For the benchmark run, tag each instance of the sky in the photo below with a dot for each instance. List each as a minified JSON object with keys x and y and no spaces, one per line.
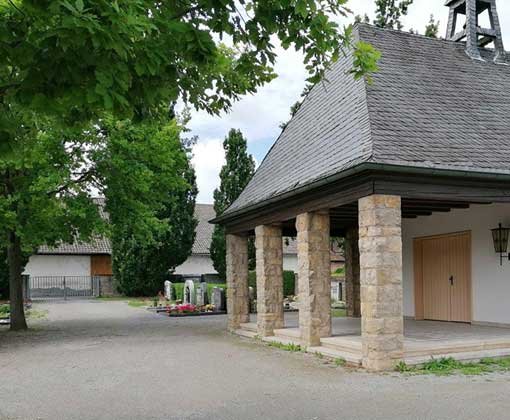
{"x":259,"y":115}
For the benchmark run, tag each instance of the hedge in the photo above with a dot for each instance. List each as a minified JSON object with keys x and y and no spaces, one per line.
{"x":289,"y":282}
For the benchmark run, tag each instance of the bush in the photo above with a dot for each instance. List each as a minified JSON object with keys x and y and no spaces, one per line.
{"x":289,"y":282}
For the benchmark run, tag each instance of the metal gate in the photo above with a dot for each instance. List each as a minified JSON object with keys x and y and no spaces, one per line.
{"x":62,"y":287}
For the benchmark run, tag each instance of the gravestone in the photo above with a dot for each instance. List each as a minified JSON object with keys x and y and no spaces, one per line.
{"x":218,"y":299}
{"x":202,"y":294}
{"x":169,"y":295}
{"x":189,"y":293}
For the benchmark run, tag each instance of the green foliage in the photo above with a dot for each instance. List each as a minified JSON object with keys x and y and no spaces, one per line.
{"x":150,"y":193}
{"x":338,"y":313}
{"x":127,"y":56}
{"x":4,"y":311}
{"x":450,"y":366}
{"x":289,"y":282}
{"x":366,"y":55}
{"x":234,"y":176}
{"x":340,"y":362}
{"x":287,"y":347}
{"x":389,"y":13}
{"x":432,"y":28}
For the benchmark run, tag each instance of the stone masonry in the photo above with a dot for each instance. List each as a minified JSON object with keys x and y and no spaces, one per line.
{"x":237,"y":281}
{"x":352,"y":286}
{"x":314,"y":268}
{"x":269,"y":246}
{"x":380,"y":245}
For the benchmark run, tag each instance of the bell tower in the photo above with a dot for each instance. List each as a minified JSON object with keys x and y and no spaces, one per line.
{"x":475,"y":36}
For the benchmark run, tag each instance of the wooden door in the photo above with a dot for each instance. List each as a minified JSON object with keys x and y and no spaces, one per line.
{"x":442,"y":280}
{"x":460,"y":272}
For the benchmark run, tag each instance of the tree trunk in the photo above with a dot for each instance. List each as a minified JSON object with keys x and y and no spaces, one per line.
{"x":14,"y":259}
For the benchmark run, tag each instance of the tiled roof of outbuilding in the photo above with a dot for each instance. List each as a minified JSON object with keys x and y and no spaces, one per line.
{"x":203,"y":213}
{"x":430,"y":106}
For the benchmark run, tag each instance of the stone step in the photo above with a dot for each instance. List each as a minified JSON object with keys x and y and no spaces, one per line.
{"x":288,"y":333}
{"x":280,"y":340}
{"x":341,"y":344}
{"x":249,"y":326}
{"x":246,"y":333}
{"x":351,"y":359}
{"x":468,"y":356}
{"x":417,"y":349}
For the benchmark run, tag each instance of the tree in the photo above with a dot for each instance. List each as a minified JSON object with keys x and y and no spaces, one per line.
{"x":389,"y":13}
{"x":235,"y":174}
{"x":295,"y":108}
{"x":66,"y":65}
{"x":148,"y":163}
{"x":432,"y":28}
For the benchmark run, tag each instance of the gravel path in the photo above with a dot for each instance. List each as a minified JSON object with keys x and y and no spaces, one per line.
{"x":106,"y":360}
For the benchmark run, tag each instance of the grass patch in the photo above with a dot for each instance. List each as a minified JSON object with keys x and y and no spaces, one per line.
{"x":339,"y":362}
{"x":450,"y":366}
{"x":287,"y":347}
{"x":338,"y":313}
{"x":139,"y":303}
{"x":36,"y":314}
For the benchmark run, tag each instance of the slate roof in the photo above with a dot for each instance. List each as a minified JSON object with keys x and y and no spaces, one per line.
{"x":204,"y":231}
{"x":430,"y":106}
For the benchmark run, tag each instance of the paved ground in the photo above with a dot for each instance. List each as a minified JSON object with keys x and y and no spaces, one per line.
{"x":105,"y":360}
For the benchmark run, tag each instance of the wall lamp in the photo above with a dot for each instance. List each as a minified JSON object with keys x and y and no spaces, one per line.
{"x":500,"y":238}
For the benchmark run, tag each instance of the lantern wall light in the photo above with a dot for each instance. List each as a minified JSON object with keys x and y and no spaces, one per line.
{"x":500,"y":239}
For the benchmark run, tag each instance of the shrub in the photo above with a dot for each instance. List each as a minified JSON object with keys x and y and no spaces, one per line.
{"x":289,"y":282}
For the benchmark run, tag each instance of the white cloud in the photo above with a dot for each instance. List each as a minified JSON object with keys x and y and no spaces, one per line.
{"x":258,"y":116}
{"x":208,"y":158}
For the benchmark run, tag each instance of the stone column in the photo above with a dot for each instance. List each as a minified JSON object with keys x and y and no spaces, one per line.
{"x":380,"y":245}
{"x":352,"y":286}
{"x":238,"y":302}
{"x":269,"y":246}
{"x":314,"y":263}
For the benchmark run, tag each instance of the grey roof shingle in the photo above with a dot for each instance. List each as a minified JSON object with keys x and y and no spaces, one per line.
{"x":204,"y":231}
{"x":429,"y":106}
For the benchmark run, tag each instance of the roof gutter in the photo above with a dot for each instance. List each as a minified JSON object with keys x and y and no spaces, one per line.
{"x":364,"y":167}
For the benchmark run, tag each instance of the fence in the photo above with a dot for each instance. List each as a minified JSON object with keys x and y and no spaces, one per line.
{"x":68,"y":287}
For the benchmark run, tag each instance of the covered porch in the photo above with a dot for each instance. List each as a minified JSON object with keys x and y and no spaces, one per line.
{"x":423,"y":340}
{"x":375,"y":335}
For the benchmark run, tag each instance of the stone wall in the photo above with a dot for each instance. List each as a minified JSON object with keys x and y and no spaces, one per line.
{"x":380,"y":245}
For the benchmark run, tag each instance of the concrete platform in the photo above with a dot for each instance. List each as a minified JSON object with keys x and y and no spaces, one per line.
{"x":423,"y":340}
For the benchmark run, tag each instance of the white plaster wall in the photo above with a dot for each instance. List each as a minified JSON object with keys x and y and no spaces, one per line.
{"x":58,"y":265}
{"x":290,"y":263}
{"x":196,"y":264}
{"x":490,"y":281}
